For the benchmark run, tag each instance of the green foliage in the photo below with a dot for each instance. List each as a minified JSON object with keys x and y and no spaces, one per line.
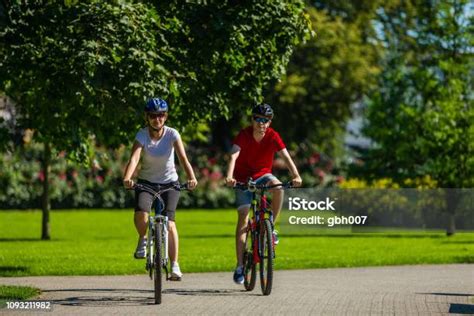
{"x":72,"y":184}
{"x":324,"y":78}
{"x":85,"y":68}
{"x":99,"y":185}
{"x":229,"y":51}
{"x":81,"y":70}
{"x":422,"y":116}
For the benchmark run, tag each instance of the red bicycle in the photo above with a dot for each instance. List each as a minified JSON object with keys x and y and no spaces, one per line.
{"x":259,"y":243}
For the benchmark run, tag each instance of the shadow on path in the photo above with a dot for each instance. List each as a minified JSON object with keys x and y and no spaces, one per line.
{"x":206,"y":292}
{"x":448,"y":294}
{"x":130,"y":297}
{"x":461,"y":309}
{"x":117,"y":297}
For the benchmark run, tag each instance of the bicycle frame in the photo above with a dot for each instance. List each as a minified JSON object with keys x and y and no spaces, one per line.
{"x":261,"y":249}
{"x":259,"y":210}
{"x":152,"y":222}
{"x":158,"y":224}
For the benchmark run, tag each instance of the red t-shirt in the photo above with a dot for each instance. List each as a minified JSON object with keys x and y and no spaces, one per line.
{"x":256,"y":159}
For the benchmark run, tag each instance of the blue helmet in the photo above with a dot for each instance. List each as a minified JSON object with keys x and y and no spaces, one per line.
{"x":155,"y":105}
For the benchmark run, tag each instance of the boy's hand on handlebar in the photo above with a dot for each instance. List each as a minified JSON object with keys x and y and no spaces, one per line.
{"x":230,"y":182}
{"x":128,"y":183}
{"x":192,"y":184}
{"x":296,"y":181}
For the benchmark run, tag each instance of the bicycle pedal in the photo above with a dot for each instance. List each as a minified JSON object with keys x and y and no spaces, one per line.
{"x":174,"y":278}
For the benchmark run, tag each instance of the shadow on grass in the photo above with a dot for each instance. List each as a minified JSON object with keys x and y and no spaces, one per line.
{"x":8,"y":271}
{"x":464,"y":259}
{"x":19,"y":239}
{"x":460,"y":242}
{"x":364,"y":235}
{"x":27,"y":239}
{"x":334,"y":235}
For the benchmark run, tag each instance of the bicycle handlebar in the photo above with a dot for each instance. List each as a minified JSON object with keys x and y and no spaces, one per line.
{"x":160,"y":189}
{"x":252,"y":186}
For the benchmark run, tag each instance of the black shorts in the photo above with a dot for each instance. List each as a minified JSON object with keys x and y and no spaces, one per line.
{"x":144,"y":200}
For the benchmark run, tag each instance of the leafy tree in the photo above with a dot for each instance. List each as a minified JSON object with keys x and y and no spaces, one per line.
{"x":324,"y":78}
{"x":82,"y":70}
{"x":231,"y":51}
{"x":422,"y":116}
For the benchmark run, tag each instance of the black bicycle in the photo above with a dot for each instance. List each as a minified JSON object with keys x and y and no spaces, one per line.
{"x":259,"y":244}
{"x":157,"y":235}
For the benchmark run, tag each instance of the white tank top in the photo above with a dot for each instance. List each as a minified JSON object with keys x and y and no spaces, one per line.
{"x":157,"y":157}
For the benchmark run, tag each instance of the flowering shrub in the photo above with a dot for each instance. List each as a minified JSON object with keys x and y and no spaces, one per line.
{"x":100,"y":185}
{"x":71,"y":185}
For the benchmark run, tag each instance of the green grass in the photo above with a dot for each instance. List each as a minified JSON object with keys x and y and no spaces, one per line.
{"x":15,"y":293}
{"x":102,"y":242}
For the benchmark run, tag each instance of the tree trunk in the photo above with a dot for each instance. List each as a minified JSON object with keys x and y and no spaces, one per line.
{"x":46,"y":165}
{"x":451,"y":225}
{"x":451,"y":204}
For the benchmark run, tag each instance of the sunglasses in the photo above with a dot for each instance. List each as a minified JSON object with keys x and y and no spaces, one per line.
{"x":155,"y":115}
{"x":259,"y":119}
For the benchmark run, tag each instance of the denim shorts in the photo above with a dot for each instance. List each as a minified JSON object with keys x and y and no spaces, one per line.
{"x":244,"y":198}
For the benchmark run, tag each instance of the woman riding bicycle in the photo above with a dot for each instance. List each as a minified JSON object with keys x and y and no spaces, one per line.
{"x":154,"y":147}
{"x":252,"y":156}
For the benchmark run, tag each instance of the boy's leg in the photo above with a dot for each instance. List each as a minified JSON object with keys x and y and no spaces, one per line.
{"x":240,"y":232}
{"x":277,"y":199}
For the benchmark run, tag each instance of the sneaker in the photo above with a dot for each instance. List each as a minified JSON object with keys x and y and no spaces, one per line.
{"x":140,"y":252}
{"x":239,"y":275}
{"x":176,"y":274}
{"x":275,"y":237}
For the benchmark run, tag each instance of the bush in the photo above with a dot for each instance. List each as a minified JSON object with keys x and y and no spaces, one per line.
{"x":99,"y":185}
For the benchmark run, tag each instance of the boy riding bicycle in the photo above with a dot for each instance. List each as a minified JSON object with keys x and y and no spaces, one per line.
{"x":252,"y":157}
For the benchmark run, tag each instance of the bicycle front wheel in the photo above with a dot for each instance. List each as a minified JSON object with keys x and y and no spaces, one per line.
{"x":158,"y":272}
{"x":266,"y":257}
{"x":250,"y":271}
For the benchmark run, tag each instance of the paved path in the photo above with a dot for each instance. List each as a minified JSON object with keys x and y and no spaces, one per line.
{"x":401,"y":290}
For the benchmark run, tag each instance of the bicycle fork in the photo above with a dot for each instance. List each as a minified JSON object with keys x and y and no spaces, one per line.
{"x":149,"y":245}
{"x":165,"y":248}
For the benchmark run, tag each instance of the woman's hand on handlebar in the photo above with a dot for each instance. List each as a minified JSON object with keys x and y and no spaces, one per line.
{"x":128,"y":183}
{"x":192,"y":183}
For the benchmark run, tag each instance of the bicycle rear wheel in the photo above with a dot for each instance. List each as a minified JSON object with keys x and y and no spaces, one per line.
{"x":266,"y":257}
{"x":250,"y":271}
{"x":158,"y":272}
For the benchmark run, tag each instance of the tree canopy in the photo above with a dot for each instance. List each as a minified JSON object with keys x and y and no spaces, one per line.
{"x":86,"y":68}
{"x":82,"y":70}
{"x":325,"y":77}
{"x":422,"y":115}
